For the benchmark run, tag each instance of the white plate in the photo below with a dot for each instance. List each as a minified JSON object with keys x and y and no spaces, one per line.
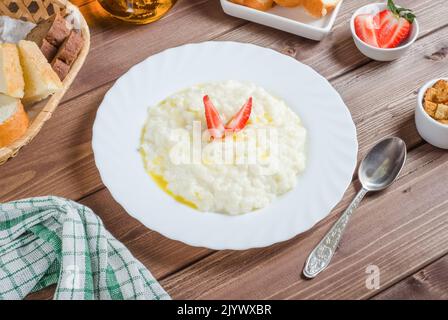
{"x":332,"y":145}
{"x":293,"y":20}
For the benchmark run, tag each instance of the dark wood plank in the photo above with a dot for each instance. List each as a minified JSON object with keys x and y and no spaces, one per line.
{"x":64,"y":166}
{"x":109,"y":57}
{"x":336,"y":54}
{"x":333,"y":56}
{"x":59,"y":160}
{"x":430,"y":283}
{"x":160,"y":255}
{"x":391,"y":230}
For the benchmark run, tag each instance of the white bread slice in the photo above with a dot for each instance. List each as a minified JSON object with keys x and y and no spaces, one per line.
{"x":256,"y":4}
{"x":11,"y":76}
{"x":40,"y":79}
{"x":13,"y":120}
{"x":319,"y":8}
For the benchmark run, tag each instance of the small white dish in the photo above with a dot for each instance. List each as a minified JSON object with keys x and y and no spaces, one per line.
{"x":293,"y":20}
{"x":381,"y":54}
{"x":429,"y":129}
{"x":331,"y":144}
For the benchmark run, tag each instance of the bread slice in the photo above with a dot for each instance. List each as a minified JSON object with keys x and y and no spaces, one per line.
{"x":13,"y":120}
{"x":11,"y":76}
{"x":40,"y":79}
{"x":48,"y":50}
{"x":319,"y":8}
{"x":69,"y":50}
{"x":61,"y":68}
{"x":262,"y":5}
{"x":288,"y":3}
{"x":55,"y":29}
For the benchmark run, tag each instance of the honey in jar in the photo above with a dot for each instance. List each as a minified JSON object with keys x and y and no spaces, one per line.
{"x":137,"y":11}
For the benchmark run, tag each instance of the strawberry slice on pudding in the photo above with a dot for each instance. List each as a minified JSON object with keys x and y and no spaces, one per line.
{"x":214,"y":123}
{"x":239,"y":120}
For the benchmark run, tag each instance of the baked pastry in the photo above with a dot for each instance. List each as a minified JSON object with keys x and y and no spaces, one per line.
{"x":288,"y":3}
{"x":11,"y":76}
{"x":256,"y":4}
{"x":40,"y":79}
{"x":13,"y":120}
{"x":316,"y":8}
{"x":319,"y":8}
{"x":55,"y":29}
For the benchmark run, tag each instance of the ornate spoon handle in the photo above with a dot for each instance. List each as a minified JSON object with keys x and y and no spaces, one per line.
{"x":321,"y":256}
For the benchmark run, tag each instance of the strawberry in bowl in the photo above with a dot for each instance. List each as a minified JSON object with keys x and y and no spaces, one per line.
{"x":383,"y":31}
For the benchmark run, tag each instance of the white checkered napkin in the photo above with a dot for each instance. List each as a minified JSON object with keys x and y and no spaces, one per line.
{"x":51,"y":240}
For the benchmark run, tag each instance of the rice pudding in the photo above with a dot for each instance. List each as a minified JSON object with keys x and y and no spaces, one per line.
{"x":241,"y":171}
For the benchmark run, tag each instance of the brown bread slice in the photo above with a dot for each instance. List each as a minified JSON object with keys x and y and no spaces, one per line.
{"x":71,"y":47}
{"x":61,"y":68}
{"x":54,"y":30}
{"x":48,"y":50}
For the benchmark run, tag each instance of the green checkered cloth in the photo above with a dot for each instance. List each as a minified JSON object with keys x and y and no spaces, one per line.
{"x":51,"y":240}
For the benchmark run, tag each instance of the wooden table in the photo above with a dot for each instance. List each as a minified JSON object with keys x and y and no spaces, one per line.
{"x":403,"y":231}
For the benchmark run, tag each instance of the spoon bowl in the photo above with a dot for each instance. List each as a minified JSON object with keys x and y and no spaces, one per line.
{"x":382,"y":164}
{"x":379,"y":168}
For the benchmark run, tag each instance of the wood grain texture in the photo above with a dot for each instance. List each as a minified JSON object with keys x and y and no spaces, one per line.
{"x":160,"y":255}
{"x":72,"y":172}
{"x":40,"y":113}
{"x":401,"y":230}
{"x":59,"y":161}
{"x":336,"y":54}
{"x":389,"y":230}
{"x":430,"y":283}
{"x":198,"y":20}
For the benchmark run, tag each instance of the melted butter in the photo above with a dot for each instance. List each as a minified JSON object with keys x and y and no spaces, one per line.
{"x":264,"y":118}
{"x":160,"y":180}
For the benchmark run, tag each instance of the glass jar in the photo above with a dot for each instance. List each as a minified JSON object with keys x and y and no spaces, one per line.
{"x":137,"y":11}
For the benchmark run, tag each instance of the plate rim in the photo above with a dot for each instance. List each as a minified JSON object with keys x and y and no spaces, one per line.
{"x":260,"y":244}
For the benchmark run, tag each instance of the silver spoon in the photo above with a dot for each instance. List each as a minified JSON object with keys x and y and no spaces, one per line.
{"x":377,"y":171}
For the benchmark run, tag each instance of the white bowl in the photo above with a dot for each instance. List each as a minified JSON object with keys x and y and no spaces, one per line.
{"x":293,"y":20}
{"x":381,"y":54}
{"x":431,"y":130}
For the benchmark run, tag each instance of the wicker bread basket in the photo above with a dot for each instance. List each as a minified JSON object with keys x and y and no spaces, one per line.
{"x":35,"y":11}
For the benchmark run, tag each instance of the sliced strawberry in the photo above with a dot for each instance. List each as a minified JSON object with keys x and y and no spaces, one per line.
{"x":214,"y":122}
{"x":366,"y":28}
{"x":395,"y":25}
{"x":393,"y":29}
{"x":239,"y":120}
